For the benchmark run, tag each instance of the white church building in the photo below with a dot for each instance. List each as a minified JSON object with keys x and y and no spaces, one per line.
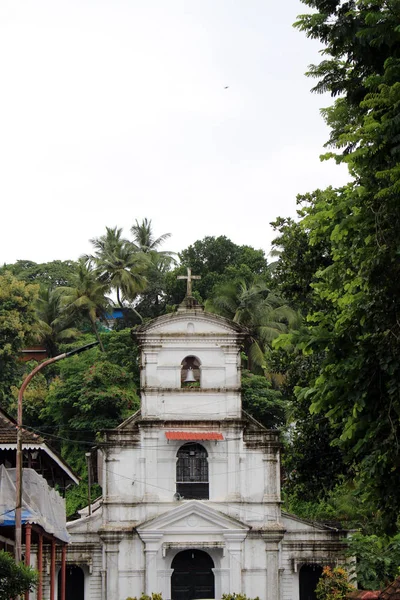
{"x":191,"y":503}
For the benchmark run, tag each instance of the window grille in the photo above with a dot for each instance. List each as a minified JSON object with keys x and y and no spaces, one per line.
{"x":192,"y":472}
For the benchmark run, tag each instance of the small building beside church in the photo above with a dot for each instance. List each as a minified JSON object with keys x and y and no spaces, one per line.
{"x":191,"y":503}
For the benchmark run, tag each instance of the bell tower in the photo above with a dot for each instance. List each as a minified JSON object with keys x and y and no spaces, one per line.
{"x":190,"y":365}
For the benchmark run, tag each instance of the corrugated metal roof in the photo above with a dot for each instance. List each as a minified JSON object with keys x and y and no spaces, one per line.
{"x":194,"y":435}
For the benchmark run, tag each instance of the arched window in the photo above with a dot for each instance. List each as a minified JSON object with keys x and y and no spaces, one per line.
{"x":190,"y":372}
{"x":192,"y":472}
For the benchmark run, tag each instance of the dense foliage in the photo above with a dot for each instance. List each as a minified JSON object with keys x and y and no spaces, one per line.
{"x":15,"y":579}
{"x":333,"y":584}
{"x":346,"y":279}
{"x":17,"y":317}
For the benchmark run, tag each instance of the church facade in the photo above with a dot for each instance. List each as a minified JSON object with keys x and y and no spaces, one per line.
{"x":191,"y":502}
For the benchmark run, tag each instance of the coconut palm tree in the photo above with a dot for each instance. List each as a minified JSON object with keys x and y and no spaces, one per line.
{"x":124,"y":271}
{"x":144,"y":240}
{"x":53,"y":325}
{"x":87,"y":297}
{"x":257,"y":309}
{"x":109,"y":242}
{"x":119,"y":264}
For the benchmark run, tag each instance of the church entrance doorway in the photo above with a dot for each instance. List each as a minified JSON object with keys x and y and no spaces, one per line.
{"x":193,"y":577}
{"x":74,"y":583}
{"x":309,"y":577}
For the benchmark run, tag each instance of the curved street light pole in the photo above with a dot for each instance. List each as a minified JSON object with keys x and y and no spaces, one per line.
{"x":18,"y":475}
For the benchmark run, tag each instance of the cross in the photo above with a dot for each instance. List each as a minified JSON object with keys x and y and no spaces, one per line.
{"x":189,"y":278}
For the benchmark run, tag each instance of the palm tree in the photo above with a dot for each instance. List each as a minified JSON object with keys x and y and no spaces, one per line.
{"x":256,"y":308}
{"x":144,"y":240}
{"x":109,"y":242}
{"x":124,"y":271}
{"x":53,"y":325}
{"x":120,"y":265}
{"x":87,"y":297}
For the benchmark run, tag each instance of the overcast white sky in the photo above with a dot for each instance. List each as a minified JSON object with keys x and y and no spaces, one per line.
{"x":115,"y":110}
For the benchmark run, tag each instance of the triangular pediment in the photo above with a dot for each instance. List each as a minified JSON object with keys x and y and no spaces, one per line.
{"x":192,"y":322}
{"x":193,"y":516}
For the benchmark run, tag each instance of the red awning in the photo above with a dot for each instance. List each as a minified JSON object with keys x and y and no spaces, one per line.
{"x":194,"y":435}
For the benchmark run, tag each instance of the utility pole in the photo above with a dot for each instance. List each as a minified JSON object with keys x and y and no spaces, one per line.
{"x":18,"y":475}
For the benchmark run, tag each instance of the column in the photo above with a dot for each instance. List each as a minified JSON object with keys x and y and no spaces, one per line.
{"x":272,"y":555}
{"x":28,"y":538}
{"x":63,"y":570}
{"x":40,"y":568}
{"x":52,"y":568}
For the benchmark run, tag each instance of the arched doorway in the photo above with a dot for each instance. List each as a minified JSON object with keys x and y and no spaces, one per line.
{"x":193,"y":576}
{"x":74,"y":583}
{"x":309,"y":577}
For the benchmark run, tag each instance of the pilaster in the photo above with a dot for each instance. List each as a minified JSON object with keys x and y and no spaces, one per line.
{"x":272,"y":491}
{"x":234,"y":542}
{"x":111,"y":541}
{"x":272,"y":563}
{"x":152,"y":546}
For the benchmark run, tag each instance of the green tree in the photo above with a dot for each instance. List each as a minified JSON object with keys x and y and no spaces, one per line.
{"x":378,"y":559}
{"x":217,"y":260}
{"x":15,"y":579}
{"x":50,"y":274}
{"x":263,"y":402}
{"x":54,"y":324}
{"x":152,"y":301}
{"x":17,"y":319}
{"x":256,"y":308}
{"x":145,"y":241}
{"x":299,"y":261}
{"x":90,"y":394}
{"x":356,"y":327}
{"x":120,"y":265}
{"x":86,"y":298}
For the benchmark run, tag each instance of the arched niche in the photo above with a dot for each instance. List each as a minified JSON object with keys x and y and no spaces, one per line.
{"x":192,"y":472}
{"x":191,"y":369}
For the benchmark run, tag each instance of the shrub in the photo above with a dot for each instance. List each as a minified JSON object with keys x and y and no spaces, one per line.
{"x":15,"y":579}
{"x":333,"y":584}
{"x":146,"y":597}
{"x":237,"y":597}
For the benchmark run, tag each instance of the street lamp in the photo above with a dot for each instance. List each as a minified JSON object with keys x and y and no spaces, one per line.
{"x":18,"y":476}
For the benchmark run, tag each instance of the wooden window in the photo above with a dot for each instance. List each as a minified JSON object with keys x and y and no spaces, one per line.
{"x":192,"y":472}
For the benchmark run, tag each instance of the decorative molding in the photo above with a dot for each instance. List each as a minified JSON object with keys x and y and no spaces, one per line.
{"x":190,"y":544}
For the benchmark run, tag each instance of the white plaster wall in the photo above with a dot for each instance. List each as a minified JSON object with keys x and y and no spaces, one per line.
{"x":162,"y":365}
{"x":147,"y":474}
{"x":193,"y":404}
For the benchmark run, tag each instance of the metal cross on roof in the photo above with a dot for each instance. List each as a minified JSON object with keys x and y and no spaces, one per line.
{"x":189,"y":278}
